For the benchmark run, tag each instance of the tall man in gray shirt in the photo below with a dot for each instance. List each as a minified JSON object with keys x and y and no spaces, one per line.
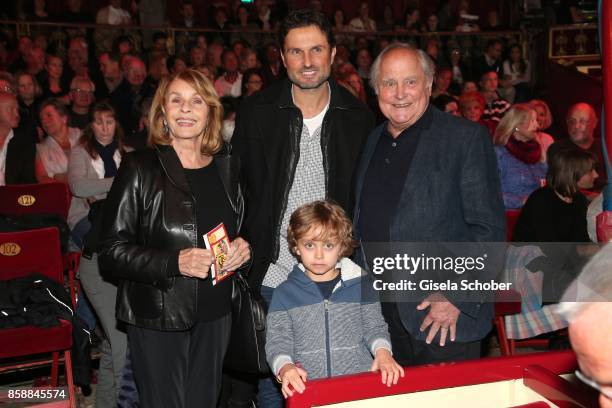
{"x":299,"y":141}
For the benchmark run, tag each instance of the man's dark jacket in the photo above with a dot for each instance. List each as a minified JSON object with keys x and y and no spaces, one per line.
{"x":451,"y":194}
{"x":149,"y":216}
{"x":267,"y":139}
{"x":20,"y":157}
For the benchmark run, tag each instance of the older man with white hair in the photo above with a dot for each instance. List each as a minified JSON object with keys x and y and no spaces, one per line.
{"x":587,"y":305}
{"x":427,"y":177}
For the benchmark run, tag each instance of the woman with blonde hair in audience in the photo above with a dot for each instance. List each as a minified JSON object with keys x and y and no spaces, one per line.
{"x":472,"y":106}
{"x":544,"y":122}
{"x":162,"y":203}
{"x":53,"y":152}
{"x":519,"y":155}
{"x":92,"y":169}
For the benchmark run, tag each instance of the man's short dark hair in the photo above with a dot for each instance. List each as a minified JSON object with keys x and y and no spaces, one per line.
{"x":304,"y":18}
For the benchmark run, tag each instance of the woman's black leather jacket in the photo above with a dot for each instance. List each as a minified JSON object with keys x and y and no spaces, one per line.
{"x":149,"y":216}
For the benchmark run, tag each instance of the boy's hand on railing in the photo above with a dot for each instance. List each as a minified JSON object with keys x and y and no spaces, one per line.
{"x":389,"y":369}
{"x":294,"y":376}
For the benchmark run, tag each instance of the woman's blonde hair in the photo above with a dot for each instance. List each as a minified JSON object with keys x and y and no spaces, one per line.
{"x":515,"y":116}
{"x":212,"y":141}
{"x":534,"y":103}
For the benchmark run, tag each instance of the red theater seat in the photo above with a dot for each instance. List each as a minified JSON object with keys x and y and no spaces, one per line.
{"x":21,"y":254}
{"x":21,"y":199}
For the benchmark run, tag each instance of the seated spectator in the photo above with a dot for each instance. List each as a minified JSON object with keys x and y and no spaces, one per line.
{"x":363,"y":22}
{"x":52,"y":82}
{"x":112,"y":76}
{"x":339,"y":26}
{"x":442,"y":81}
{"x":432,"y":48}
{"x":446,"y":103}
{"x":581,"y":121}
{"x":220,"y":23}
{"x":493,"y":23}
{"x":158,"y":69}
{"x":363,"y":63}
{"x":82,"y":91}
{"x":518,"y":155}
{"x":431,"y":25}
{"x":471,"y":105}
{"x":252,"y":81}
{"x":17,"y":150}
{"x":490,"y":60}
{"x":176,"y":64}
{"x":459,"y":70}
{"x":517,"y":71}
{"x":93,"y":165}
{"x":29,"y":98}
{"x":213,"y":55}
{"x":411,"y":23}
{"x":113,"y":14}
{"x":197,"y":56}
{"x":209,"y":72}
{"x":8,"y":83}
{"x":23,"y":49}
{"x":266,"y":18}
{"x":469,"y":86}
{"x":354,"y":84}
{"x":272,"y":67}
{"x":53,"y":152}
{"x":495,"y":106}
{"x":35,"y":61}
{"x":38,"y":11}
{"x":76,"y":13}
{"x":248,"y":59}
{"x":160,"y":43}
{"x":230,"y":83}
{"x":557,"y":212}
{"x":124,"y":44}
{"x":544,"y":122}
{"x":554,"y":213}
{"x":243,"y":25}
{"x":129,"y":96}
{"x":388,"y":21}
{"x":78,"y":58}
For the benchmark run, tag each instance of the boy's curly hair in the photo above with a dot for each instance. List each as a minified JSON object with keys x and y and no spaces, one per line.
{"x":327,"y":216}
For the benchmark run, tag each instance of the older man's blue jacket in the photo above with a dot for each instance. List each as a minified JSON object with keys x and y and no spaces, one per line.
{"x":451,"y":194}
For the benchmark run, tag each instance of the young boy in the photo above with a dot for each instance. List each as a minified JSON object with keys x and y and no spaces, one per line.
{"x":319,"y":324}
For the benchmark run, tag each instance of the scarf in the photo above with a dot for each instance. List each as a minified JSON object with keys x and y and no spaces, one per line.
{"x":528,"y":152}
{"x":106,"y":154}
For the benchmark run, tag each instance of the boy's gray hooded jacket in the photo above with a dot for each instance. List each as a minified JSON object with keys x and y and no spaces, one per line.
{"x":327,"y":337}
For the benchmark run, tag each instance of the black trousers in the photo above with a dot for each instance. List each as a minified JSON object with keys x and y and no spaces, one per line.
{"x":408,"y":351}
{"x":180,"y":369}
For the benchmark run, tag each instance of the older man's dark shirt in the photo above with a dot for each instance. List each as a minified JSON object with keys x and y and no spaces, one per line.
{"x":385,"y":179}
